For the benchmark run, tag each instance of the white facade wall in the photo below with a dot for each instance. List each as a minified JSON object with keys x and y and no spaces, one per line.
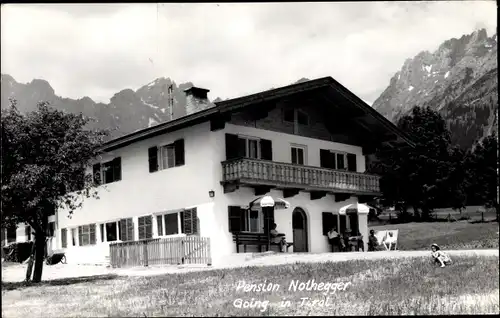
{"x":142,"y":193}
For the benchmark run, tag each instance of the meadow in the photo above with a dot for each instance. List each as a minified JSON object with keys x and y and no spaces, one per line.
{"x":403,"y":286}
{"x":448,"y":235}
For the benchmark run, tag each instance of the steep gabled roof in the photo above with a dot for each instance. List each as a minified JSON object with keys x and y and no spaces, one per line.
{"x":235,"y":104}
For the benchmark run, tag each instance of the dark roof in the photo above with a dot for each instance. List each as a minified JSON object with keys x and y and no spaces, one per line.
{"x":254,"y":99}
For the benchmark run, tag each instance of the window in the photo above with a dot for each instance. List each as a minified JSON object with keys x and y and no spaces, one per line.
{"x":108,"y":172}
{"x":168,"y":224}
{"x":145,"y":227}
{"x":11,"y":234}
{"x":190,"y":222}
{"x":167,"y":156}
{"x":295,"y":116}
{"x":126,"y":230}
{"x":248,"y":147}
{"x":289,"y":115}
{"x":73,"y":237}
{"x":64,"y":238}
{"x":298,"y":155}
{"x":243,"y":220}
{"x":302,"y":118}
{"x":337,"y":160}
{"x":50,"y":229}
{"x":109,"y":231}
{"x":27,"y":232}
{"x":86,"y":235}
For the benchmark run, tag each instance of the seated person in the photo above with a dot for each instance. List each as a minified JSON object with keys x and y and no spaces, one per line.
{"x":439,"y":256}
{"x":390,"y":240}
{"x":334,"y":238}
{"x":278,"y":238}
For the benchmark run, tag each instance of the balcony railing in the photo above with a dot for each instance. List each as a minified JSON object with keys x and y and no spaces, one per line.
{"x":286,"y":175}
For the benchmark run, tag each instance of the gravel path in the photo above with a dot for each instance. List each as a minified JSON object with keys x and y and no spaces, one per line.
{"x":16,"y":272}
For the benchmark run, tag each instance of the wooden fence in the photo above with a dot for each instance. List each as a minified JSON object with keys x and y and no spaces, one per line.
{"x":161,"y":251}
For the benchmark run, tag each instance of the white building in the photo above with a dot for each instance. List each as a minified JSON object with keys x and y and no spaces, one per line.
{"x":194,"y":175}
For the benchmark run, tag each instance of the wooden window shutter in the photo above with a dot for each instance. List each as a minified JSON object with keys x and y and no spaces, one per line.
{"x":80,"y":236}
{"x":231,"y":146}
{"x":179,"y":152}
{"x":190,"y":222}
{"x":96,"y":172}
{"x":351,"y":162}
{"x":149,"y":226}
{"x":324,"y":158}
{"x":266,"y":149}
{"x":92,"y":234}
{"x":117,"y":169}
{"x":328,"y":222}
{"x":153,"y":159}
{"x":235,"y":218}
{"x":64,"y":238}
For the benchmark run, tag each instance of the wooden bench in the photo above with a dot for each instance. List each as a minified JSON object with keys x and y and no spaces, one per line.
{"x":258,"y":239}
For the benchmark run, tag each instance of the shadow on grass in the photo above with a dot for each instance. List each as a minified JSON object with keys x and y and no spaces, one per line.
{"x":58,"y":282}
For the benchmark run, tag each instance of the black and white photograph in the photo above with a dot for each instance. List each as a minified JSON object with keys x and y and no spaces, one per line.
{"x":249,"y":159}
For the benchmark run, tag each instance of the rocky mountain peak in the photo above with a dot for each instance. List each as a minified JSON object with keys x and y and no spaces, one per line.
{"x":440,"y":77}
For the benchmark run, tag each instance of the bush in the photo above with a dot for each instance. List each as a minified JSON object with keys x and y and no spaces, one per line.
{"x":17,"y":252}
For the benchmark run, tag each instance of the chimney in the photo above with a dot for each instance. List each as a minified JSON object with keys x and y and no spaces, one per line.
{"x":196,"y":100}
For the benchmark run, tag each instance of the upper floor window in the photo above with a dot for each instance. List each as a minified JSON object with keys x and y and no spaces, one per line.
{"x":338,"y":160}
{"x":298,"y":154}
{"x":108,"y":172}
{"x":167,"y":156}
{"x":248,"y":147}
{"x":292,"y":115}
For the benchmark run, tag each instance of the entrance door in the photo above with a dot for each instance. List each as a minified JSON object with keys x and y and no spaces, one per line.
{"x":299,"y":225}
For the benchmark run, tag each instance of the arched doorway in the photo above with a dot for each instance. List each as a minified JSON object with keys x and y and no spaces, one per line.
{"x":299,"y":225}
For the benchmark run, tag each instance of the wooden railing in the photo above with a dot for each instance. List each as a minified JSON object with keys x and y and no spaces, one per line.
{"x":277,"y":173}
{"x":161,"y":251}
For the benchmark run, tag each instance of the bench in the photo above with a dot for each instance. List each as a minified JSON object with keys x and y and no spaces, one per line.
{"x":258,"y":239}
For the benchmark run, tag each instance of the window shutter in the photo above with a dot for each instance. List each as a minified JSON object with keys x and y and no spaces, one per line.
{"x":351,"y":162}
{"x":159,"y":223}
{"x":126,"y":228}
{"x":80,"y":236}
{"x":231,"y":146}
{"x":328,"y":222}
{"x":92,"y":234}
{"x":324,"y":158}
{"x":149,"y":226}
{"x":97,"y":173}
{"x":153,"y":159}
{"x":235,"y":218}
{"x":190,"y":222}
{"x":179,"y":152}
{"x":64,"y":239}
{"x":130,"y":229}
{"x":242,"y":148}
{"x":117,"y":169}
{"x":266,"y":149}
{"x":142,"y":228}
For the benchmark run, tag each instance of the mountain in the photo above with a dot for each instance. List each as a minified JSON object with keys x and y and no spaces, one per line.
{"x":459,"y":80}
{"x":127,"y":111}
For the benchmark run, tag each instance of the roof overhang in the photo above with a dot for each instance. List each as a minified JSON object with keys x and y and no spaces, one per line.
{"x":368,"y":122}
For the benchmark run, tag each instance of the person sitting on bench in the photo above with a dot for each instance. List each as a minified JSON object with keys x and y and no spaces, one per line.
{"x":334,"y":239}
{"x":278,"y":238}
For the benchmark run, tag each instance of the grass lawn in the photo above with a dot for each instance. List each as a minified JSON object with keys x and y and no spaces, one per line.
{"x":448,"y":235}
{"x":375,"y":287}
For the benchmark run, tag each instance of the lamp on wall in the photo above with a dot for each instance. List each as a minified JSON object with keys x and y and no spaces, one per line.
{"x":211,"y":193}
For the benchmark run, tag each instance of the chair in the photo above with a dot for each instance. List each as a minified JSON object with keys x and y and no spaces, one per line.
{"x":391,"y":239}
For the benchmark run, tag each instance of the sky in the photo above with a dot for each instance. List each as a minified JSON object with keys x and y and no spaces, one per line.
{"x":233,"y":49}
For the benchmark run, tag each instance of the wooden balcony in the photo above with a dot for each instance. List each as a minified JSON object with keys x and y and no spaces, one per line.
{"x":254,"y":172}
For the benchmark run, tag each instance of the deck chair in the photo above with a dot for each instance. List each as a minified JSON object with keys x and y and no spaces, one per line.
{"x":391,"y":239}
{"x":380,"y":235}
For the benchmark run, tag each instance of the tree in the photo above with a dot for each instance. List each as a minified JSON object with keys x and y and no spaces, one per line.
{"x":417,"y":176}
{"x":45,"y":154}
{"x":457,"y":179}
{"x":482,"y":165}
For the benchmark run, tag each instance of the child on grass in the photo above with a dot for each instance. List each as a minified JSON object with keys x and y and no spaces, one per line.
{"x":440,"y":256}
